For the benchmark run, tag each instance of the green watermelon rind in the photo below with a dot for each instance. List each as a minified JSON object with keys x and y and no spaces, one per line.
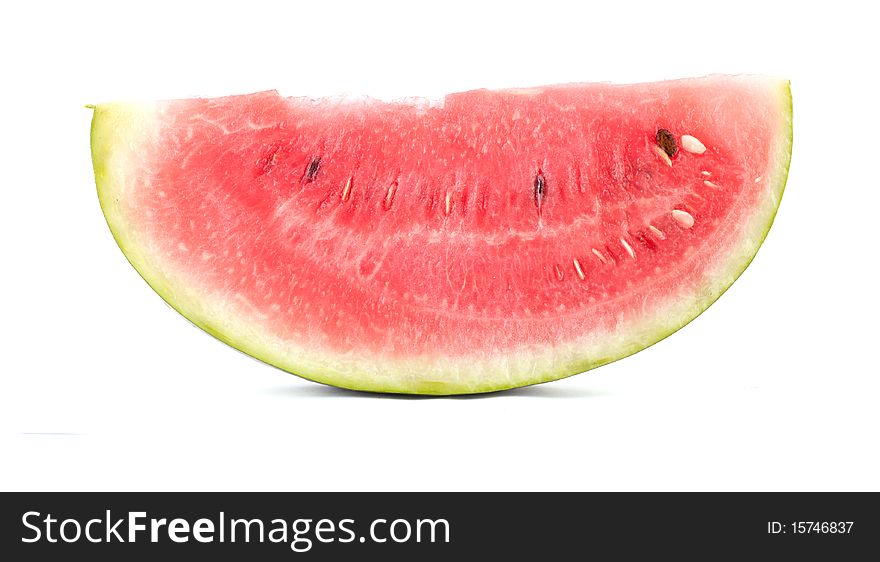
{"x":119,"y":129}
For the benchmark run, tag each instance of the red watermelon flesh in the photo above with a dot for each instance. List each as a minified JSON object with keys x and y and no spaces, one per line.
{"x":491,"y":240}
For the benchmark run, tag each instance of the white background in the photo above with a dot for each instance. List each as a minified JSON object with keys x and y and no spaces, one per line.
{"x":104,"y":387}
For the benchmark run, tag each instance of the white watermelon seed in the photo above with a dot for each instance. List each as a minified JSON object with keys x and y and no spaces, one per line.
{"x":560,"y":275}
{"x":448,"y":202}
{"x":758,"y":179}
{"x":663,"y":156}
{"x":346,"y":191}
{"x":389,"y":197}
{"x":600,"y":255}
{"x":705,"y":173}
{"x":657,"y":231}
{"x":707,"y":183}
{"x":683,"y":218}
{"x":628,"y":248}
{"x":577,"y":267}
{"x":692,"y":144}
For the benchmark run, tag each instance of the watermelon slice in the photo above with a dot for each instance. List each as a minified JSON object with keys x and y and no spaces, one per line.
{"x":490,"y":240}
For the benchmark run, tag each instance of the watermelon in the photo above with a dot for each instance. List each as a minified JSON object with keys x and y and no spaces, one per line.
{"x":488,"y":240}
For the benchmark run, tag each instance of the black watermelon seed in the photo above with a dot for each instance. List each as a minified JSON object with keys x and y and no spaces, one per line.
{"x":540,"y":189}
{"x":666,"y":141}
{"x":312,"y":169}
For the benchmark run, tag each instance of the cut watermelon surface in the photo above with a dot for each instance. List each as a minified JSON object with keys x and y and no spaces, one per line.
{"x":490,"y":240}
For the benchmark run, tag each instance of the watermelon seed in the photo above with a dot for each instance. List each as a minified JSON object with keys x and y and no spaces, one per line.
{"x":707,"y":183}
{"x":705,"y":173}
{"x":612,"y":254}
{"x":628,"y":248}
{"x":577,"y":267}
{"x":662,"y":154}
{"x":448,"y":202}
{"x":578,"y":179}
{"x":692,"y":144}
{"x":346,"y":191}
{"x":758,"y":179}
{"x":312,"y":169}
{"x":666,"y":141}
{"x":600,"y":255}
{"x":657,"y":231}
{"x":683,"y":218}
{"x":646,"y":242}
{"x":560,"y":275}
{"x":540,"y":189}
{"x":389,"y":197}
{"x":270,"y":163}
